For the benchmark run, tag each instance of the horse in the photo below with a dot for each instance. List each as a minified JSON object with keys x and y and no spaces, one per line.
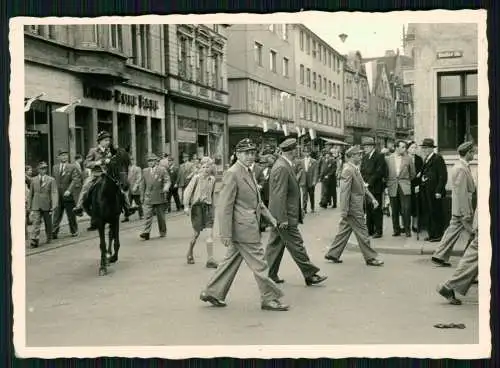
{"x":105,"y":203}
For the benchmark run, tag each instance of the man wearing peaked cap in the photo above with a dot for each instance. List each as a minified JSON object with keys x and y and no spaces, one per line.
{"x":288,"y":145}
{"x":239,"y":211}
{"x":462,"y":189}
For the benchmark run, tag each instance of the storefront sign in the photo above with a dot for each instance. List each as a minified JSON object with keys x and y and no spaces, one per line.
{"x":119,"y":97}
{"x":449,"y":54}
{"x":186,"y":136}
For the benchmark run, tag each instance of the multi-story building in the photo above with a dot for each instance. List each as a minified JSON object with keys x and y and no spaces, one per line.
{"x":356,"y":99}
{"x":261,"y":78}
{"x":197,"y":99}
{"x":319,"y":87}
{"x":116,"y":73}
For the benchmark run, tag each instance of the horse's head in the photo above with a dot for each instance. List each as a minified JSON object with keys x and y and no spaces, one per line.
{"x":117,"y":168}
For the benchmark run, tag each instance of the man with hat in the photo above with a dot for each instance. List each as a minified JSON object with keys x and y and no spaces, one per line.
{"x":374,"y":172}
{"x":96,"y":158}
{"x":42,"y":202}
{"x":69,"y":183}
{"x":310,"y":178}
{"x":156,"y":186}
{"x":434,"y":177}
{"x":238,"y":210}
{"x":353,"y":193}
{"x":285,"y":206}
{"x":462,"y":189}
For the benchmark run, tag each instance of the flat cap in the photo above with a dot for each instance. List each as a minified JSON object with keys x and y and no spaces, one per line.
{"x":42,"y":165}
{"x":367,"y":141}
{"x":61,"y":151}
{"x":103,"y":135}
{"x":353,"y":151}
{"x":152,"y":157}
{"x":288,"y":144}
{"x":245,"y":145}
{"x":465,"y":147}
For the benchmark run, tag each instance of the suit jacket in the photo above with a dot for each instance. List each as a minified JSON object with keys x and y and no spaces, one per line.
{"x":352,"y":192}
{"x":462,"y":188}
{"x":284,"y":193}
{"x":96,"y":154}
{"x":173,"y":171}
{"x":185,"y":170}
{"x":263,"y":181}
{"x":135,"y":180}
{"x":239,"y":207}
{"x":69,"y":180}
{"x":154,"y":184}
{"x":435,"y":174}
{"x":311,"y":174}
{"x":416,"y":181}
{"x":328,"y":170}
{"x":374,"y":172}
{"x":401,"y":179}
{"x":43,"y":196}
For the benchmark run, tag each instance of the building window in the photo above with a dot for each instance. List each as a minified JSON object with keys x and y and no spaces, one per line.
{"x":314,"y":80}
{"x":320,"y":111}
{"x":184,"y":57}
{"x":320,"y":47}
{"x":284,"y":30}
{"x":319,"y":83}
{"x":457,"y":109}
{"x":52,"y":32}
{"x":308,"y":77}
{"x":201,"y":67}
{"x":308,"y":44}
{"x":324,"y":85}
{"x":301,"y":40}
{"x":334,"y":91}
{"x":115,"y":37}
{"x":301,"y":74}
{"x":141,"y":45}
{"x":272,"y":61}
{"x":324,"y":56}
{"x":338,"y":65}
{"x":302,"y":108}
{"x":285,"y":68}
{"x":257,"y":47}
{"x":216,"y":28}
{"x":310,"y":108}
{"x":330,"y":88}
{"x":217,"y":81}
{"x":314,"y":49}
{"x":334,"y":62}
{"x":338,"y":92}
{"x":329,"y":59}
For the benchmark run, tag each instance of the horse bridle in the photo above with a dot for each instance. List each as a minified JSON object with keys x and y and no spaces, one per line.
{"x":104,"y":172}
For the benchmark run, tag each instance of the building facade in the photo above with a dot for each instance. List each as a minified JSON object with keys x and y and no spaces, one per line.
{"x":261,"y":78}
{"x":356,"y":99}
{"x":197,"y":102}
{"x":319,"y":87}
{"x":114,"y":70}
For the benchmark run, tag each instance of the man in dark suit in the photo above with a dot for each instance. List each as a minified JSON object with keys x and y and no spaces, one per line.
{"x":310,"y":178}
{"x":284,"y":205}
{"x":69,"y":183}
{"x":434,"y":178}
{"x":173,"y":171}
{"x":328,"y":173}
{"x":374,"y":171}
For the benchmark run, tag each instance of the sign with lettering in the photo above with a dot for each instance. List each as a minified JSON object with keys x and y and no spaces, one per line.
{"x":449,"y":54}
{"x":119,"y":97}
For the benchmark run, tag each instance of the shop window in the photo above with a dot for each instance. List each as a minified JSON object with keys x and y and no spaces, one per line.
{"x":258,"y":53}
{"x":457,"y":109}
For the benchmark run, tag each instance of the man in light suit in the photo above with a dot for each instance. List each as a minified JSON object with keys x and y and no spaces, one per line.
{"x":466,"y":272}
{"x":285,"y":206}
{"x":352,"y":197}
{"x":400,"y":173}
{"x":310,"y":179}
{"x":462,"y":188}
{"x":135,"y":182}
{"x":239,"y":209}
{"x":42,"y":202}
{"x":155,"y":189}
{"x":69,"y":183}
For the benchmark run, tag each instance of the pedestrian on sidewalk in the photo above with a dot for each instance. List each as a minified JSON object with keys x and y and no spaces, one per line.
{"x":238,"y":209}
{"x":69,"y":183}
{"x":462,"y":189}
{"x":185,"y":169}
{"x":328,"y":171}
{"x":416,"y":200}
{"x":400,"y":172}
{"x":173,"y":172}
{"x":135,"y":185}
{"x":353,"y":191}
{"x":309,"y":180}
{"x":155,"y":189}
{"x":199,"y":203}
{"x":466,"y":271}
{"x":42,"y":203}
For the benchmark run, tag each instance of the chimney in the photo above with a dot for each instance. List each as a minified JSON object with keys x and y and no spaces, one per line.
{"x":390,"y":53}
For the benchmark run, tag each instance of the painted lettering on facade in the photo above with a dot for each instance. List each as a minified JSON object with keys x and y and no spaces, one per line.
{"x":119,"y":97}
{"x":449,"y":54}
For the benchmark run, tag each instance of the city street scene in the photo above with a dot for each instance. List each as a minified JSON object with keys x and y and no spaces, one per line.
{"x":252,"y":184}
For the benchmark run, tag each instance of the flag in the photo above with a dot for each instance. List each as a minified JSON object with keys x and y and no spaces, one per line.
{"x":277,"y":125}
{"x":264,"y":126}
{"x":68,"y":108}
{"x":27,"y":104}
{"x":298,"y":131}
{"x":303,"y":131}
{"x":285,"y":129}
{"x":410,"y":109}
{"x":312,"y":133}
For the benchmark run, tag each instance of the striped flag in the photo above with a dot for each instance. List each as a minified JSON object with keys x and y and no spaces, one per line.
{"x":68,"y":108}
{"x":264,"y":126}
{"x":303,"y":131}
{"x":298,"y":131}
{"x":27,"y":104}
{"x":312,"y":133}
{"x":285,"y":129}
{"x":277,"y":125}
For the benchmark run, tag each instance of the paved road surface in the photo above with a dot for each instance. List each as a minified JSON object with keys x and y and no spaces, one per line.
{"x":151,"y":295}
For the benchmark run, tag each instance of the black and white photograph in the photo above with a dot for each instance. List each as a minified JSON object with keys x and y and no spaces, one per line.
{"x":280,"y":185}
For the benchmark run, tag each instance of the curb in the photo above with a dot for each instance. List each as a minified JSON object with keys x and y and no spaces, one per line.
{"x":403,"y":251}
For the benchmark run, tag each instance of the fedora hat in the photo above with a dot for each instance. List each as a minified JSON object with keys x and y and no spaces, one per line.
{"x":367,"y":141}
{"x":428,"y":142}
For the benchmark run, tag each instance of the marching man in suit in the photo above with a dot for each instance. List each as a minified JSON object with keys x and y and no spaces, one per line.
{"x":135,"y":183}
{"x":310,"y":179}
{"x":400,"y":172}
{"x":352,"y":198}
{"x":328,"y":171}
{"x":462,"y":188}
{"x":155,"y":189}
{"x":239,"y":209}
{"x":42,"y":203}
{"x":69,"y":182}
{"x":285,"y":206}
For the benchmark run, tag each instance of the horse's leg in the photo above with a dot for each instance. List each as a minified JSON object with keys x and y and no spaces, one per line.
{"x":102,"y":243}
{"x":116,"y":239}
{"x":110,"y":242}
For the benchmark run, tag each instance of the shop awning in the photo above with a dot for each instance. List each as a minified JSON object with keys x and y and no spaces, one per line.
{"x":334,"y":141}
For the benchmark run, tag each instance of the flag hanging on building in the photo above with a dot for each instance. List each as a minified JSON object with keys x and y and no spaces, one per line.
{"x":285,"y":129}
{"x":277,"y":125}
{"x":68,"y":108}
{"x":27,"y":104}
{"x":303,"y":131}
{"x":264,"y":126}
{"x":298,"y":131}
{"x":312,"y":133}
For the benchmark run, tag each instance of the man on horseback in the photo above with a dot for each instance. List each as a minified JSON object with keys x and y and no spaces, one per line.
{"x":96,"y":160}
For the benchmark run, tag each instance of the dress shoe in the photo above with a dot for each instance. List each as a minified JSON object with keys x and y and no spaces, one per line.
{"x":54,"y":236}
{"x":275,"y":305}
{"x":212,"y":300}
{"x":448,"y":294}
{"x":315,"y":280}
{"x":277,"y":280}
{"x":440,"y":262}
{"x":435,"y":240}
{"x":162,"y":235}
{"x":126,"y":219}
{"x":415,"y":230}
{"x":74,"y":235}
{"x":333,"y":259}
{"x":396,"y":234}
{"x":92,"y":228}
{"x":377,"y":236}
{"x":144,"y":236}
{"x":374,"y":262}
{"x":408,"y":234}
{"x":211,"y":264}
{"x":34,"y":244}
{"x":78,"y":211}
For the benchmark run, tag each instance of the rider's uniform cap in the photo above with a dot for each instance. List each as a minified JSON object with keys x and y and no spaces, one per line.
{"x":245,"y":145}
{"x":288,"y":145}
{"x":103,"y":135}
{"x":465,"y":147}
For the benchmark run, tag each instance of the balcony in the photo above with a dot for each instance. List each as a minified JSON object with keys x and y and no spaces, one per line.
{"x":100,"y":63}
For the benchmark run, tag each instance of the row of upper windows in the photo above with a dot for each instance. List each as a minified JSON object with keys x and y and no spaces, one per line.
{"x":319,"y":51}
{"x":273,"y":60}
{"x":316,"y":112}
{"x":318,"y":83}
